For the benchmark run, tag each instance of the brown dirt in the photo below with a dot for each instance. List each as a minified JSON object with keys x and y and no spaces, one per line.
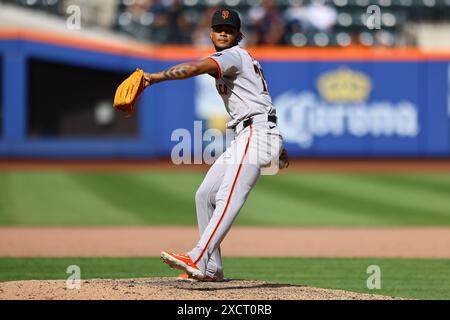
{"x":240,"y":242}
{"x":169,"y":288}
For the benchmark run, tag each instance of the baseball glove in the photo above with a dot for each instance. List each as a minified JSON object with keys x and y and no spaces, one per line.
{"x":129,"y":91}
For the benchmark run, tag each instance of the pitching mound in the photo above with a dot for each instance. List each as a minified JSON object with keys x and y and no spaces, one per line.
{"x":170,"y":289}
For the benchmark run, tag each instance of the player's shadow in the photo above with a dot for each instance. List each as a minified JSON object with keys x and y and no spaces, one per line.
{"x":228,"y":285}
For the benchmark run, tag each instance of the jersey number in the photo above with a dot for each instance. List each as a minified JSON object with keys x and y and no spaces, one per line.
{"x":260,"y":73}
{"x":223,"y":89}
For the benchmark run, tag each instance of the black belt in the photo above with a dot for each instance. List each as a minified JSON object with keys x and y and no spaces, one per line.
{"x":270,"y":118}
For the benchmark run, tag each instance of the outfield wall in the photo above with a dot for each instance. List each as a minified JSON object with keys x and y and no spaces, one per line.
{"x":56,"y":96}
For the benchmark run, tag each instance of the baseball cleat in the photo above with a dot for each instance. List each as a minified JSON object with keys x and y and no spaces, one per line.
{"x":182,"y":262}
{"x":185,"y":277}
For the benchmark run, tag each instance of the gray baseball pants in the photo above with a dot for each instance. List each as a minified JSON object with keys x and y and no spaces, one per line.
{"x":226,"y":186}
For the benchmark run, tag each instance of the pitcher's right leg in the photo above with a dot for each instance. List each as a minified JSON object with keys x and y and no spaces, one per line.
{"x":205,"y":200}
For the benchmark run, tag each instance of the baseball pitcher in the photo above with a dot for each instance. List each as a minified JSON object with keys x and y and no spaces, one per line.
{"x":241,"y":84}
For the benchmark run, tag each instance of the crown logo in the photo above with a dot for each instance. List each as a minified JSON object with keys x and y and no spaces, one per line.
{"x":344,"y":85}
{"x":225,"y":14}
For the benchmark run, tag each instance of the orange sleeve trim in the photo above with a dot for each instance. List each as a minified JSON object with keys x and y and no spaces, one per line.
{"x":219,"y":69}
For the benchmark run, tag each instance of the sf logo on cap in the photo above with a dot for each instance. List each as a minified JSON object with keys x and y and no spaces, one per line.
{"x":225,"y":14}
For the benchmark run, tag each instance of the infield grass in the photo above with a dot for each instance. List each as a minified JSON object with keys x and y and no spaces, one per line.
{"x":409,"y":278}
{"x":165,"y":198}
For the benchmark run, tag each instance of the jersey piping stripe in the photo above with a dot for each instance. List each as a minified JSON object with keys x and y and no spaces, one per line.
{"x":229,"y":196}
{"x":219,"y":69}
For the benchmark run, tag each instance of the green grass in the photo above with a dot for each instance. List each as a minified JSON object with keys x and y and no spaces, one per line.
{"x":164,"y":198}
{"x":410,"y":278}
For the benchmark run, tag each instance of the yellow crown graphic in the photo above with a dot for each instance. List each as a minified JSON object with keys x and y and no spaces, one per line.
{"x":344,"y":85}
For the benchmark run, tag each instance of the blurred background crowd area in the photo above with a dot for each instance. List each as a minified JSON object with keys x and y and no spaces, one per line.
{"x":421,"y":23}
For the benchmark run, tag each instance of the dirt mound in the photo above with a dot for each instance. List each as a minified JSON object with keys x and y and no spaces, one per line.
{"x":172,"y":289}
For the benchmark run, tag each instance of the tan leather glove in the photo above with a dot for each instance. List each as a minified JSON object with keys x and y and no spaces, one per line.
{"x":129,"y":91}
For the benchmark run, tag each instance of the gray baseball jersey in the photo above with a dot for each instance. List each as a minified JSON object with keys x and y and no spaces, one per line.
{"x":241,"y":84}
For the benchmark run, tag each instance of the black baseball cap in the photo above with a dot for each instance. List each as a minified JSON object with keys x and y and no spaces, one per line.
{"x":226,"y":17}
